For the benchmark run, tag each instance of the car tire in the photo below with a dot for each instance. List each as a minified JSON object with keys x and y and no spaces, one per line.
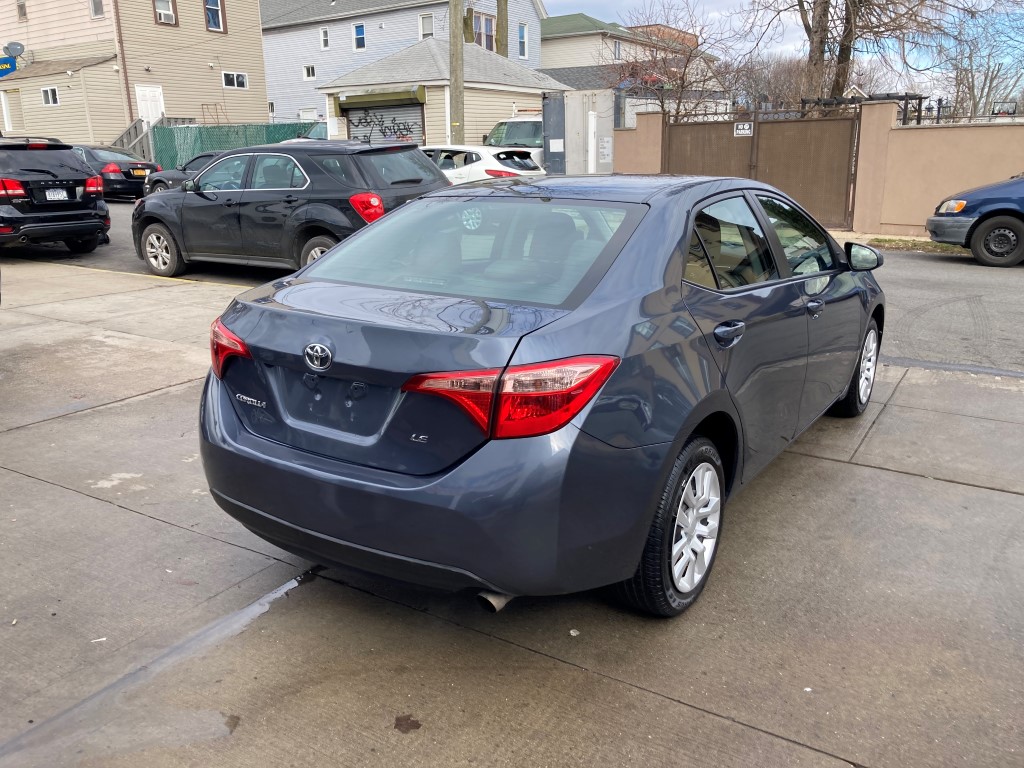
{"x":158,"y":187}
{"x":160,"y":252}
{"x":862,"y":383}
{"x":84,"y":245}
{"x":689,"y":515}
{"x":999,"y":242}
{"x":316,"y":247}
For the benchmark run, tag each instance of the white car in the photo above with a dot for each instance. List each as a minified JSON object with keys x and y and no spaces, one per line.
{"x":462,"y":164}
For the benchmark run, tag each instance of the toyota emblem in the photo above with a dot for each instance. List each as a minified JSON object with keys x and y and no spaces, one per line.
{"x":318,"y":357}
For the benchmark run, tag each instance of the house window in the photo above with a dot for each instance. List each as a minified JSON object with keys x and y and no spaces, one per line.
{"x":426,"y":25}
{"x":358,"y":37}
{"x":166,"y":12}
{"x":50,"y":97}
{"x":270,"y":108}
{"x":325,"y":38}
{"x":235,"y":79}
{"x":524,"y":50}
{"x":617,"y":50}
{"x":22,"y":13}
{"x":214,"y":15}
{"x":96,"y":9}
{"x":483,"y":26}
{"x":309,"y":72}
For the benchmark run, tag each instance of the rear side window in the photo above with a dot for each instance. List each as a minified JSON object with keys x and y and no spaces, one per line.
{"x":735,"y":243}
{"x":503,"y":249}
{"x":340,"y":168}
{"x":62,"y":162}
{"x":394,"y":168}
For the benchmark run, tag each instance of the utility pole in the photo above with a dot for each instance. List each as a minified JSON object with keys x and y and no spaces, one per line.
{"x":456,"y":89}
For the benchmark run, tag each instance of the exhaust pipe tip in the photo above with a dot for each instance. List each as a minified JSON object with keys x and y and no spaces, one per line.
{"x":493,"y":601}
{"x":23,"y":239}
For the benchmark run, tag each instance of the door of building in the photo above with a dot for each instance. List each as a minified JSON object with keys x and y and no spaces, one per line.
{"x":150,"y":99}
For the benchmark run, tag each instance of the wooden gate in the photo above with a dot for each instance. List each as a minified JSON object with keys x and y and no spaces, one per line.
{"x":811,"y":159}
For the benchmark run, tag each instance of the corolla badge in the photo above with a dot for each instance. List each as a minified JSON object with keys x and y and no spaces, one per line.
{"x":251,"y":401}
{"x":318,"y":357}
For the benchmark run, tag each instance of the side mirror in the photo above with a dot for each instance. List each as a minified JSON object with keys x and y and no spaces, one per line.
{"x":863,"y":258}
{"x":179,"y":167}
{"x":189,"y":185}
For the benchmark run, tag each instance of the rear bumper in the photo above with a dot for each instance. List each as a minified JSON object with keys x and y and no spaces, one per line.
{"x":53,"y":232}
{"x":546,"y":515}
{"x":949,"y":229}
{"x":123,"y":186}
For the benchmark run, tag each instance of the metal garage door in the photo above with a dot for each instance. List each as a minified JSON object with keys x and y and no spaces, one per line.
{"x":386,"y":123}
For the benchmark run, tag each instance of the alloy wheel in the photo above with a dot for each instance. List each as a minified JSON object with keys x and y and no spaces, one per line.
{"x":868,"y":362}
{"x":316,"y":253}
{"x":158,"y":251}
{"x":695,"y":532}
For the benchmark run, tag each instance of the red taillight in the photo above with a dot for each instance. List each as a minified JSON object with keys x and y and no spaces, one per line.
{"x":111,"y":168}
{"x":224,"y":344}
{"x":6,"y":230}
{"x":499,"y":174}
{"x":11,"y":188}
{"x":94,"y":185}
{"x":368,"y":205}
{"x":37,"y":145}
{"x":531,"y":399}
{"x":159,"y":167}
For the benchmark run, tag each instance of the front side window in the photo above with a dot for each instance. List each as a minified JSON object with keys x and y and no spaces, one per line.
{"x":228,"y":174}
{"x":166,"y":12}
{"x":277,"y":172}
{"x":805,"y":245}
{"x":735,"y":244}
{"x":325,"y":38}
{"x":483,"y":27}
{"x":96,"y":8}
{"x":50,"y":97}
{"x":426,"y":25}
{"x":309,"y":72}
{"x":358,"y":36}
{"x":236,"y":80}
{"x":524,"y":52}
{"x":214,"y":15}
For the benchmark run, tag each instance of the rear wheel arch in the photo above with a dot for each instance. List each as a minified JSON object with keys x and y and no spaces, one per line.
{"x":715,"y":417}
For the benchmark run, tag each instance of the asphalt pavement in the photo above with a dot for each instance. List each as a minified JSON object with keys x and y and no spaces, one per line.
{"x":866,"y":608}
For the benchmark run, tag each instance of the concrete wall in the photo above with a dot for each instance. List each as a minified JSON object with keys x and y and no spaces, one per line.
{"x":903,"y":172}
{"x":638,"y":150}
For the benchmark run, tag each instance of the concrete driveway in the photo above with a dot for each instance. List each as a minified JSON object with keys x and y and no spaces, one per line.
{"x":866,"y":610}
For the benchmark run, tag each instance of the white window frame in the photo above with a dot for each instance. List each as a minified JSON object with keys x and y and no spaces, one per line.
{"x":325,"y":38}
{"x":22,"y":10}
{"x":221,"y":30}
{"x":92,"y":9}
{"x":523,"y":41}
{"x":170,"y":18}
{"x":355,"y":37}
{"x":308,"y":72}
{"x":426,"y":16}
{"x":616,"y":50}
{"x":55,"y":101}
{"x":270,"y":108}
{"x":235,"y":75}
{"x":482,"y":31}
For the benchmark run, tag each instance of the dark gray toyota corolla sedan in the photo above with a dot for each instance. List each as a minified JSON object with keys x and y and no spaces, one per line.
{"x":538,"y":388}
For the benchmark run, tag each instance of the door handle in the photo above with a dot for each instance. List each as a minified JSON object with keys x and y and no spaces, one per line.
{"x":814,"y":306}
{"x":229,"y":203}
{"x":729,"y":333}
{"x":291,"y":199}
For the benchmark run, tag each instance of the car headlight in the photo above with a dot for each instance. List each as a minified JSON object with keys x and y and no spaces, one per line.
{"x":952,"y":206}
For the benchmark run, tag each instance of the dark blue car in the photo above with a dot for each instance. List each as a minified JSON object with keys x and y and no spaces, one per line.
{"x":989,"y":220}
{"x":538,"y":388}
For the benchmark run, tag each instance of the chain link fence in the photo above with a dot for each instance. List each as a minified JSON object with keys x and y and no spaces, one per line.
{"x":173,"y":146}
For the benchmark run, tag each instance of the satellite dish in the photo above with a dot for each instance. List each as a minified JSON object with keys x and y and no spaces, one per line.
{"x":14,"y":49}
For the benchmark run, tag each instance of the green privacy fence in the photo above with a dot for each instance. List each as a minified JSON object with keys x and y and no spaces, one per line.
{"x":173,"y":146}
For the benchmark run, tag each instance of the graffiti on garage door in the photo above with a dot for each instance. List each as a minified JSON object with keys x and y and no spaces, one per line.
{"x":385,"y":123}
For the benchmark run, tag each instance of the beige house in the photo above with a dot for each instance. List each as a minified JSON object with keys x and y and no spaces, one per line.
{"x":578,"y":40}
{"x":93,"y":67}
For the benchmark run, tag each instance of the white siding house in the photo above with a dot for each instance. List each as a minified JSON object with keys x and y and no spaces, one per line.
{"x":307,"y":45}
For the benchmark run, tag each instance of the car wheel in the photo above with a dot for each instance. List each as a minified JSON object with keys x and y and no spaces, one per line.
{"x":315,"y":248}
{"x":158,"y":187}
{"x":682,"y":543}
{"x":858,"y":394}
{"x":161,"y":252}
{"x":999,"y":242}
{"x":85,"y":245}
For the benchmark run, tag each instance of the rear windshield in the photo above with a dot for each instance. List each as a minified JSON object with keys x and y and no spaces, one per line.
{"x":526,"y":251}
{"x":116,"y":155}
{"x":519,"y":133}
{"x":519,"y":159}
{"x":49,"y":162}
{"x":396,"y":168}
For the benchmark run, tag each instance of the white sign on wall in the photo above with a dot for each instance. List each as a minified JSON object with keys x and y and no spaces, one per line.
{"x":742,"y":129}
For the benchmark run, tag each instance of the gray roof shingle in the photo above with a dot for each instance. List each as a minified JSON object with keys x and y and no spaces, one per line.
{"x":427,"y":61}
{"x":285,"y":13}
{"x":55,"y":67}
{"x":592,"y":78}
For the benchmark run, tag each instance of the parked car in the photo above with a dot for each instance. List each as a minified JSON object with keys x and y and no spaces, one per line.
{"x":278,"y":205}
{"x":462,"y":164}
{"x":989,"y":220}
{"x":538,"y":388}
{"x":173,"y":177}
{"x":317,"y":132}
{"x":47,"y":195}
{"x":124,"y":173}
{"x":523,"y":131}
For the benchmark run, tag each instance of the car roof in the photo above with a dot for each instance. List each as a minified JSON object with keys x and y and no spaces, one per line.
{"x":332,"y":147}
{"x":625,"y":188}
{"x":468,"y":147}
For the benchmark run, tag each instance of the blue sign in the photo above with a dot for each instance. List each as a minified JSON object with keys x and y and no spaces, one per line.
{"x":8,"y":66}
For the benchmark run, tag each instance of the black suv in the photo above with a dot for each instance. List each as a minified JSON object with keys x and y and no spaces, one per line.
{"x":281,"y":205}
{"x":48,"y":194}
